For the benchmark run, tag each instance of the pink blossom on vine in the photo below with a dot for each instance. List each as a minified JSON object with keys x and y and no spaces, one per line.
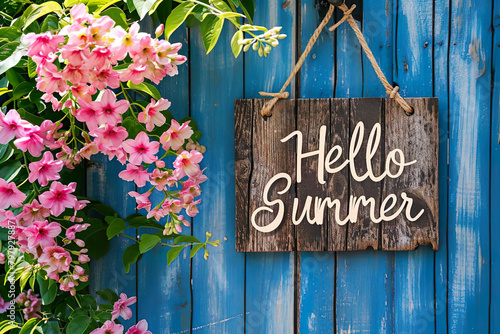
{"x":87,"y":113}
{"x":136,"y":174}
{"x":7,"y":218}
{"x":45,"y":170}
{"x":142,"y":200}
{"x":186,"y":163}
{"x":10,"y":195}
{"x":32,"y":141}
{"x":172,"y":205}
{"x":56,"y":259}
{"x":79,"y":14}
{"x":4,"y":306}
{"x":50,"y":80}
{"x":72,"y":230}
{"x":156,"y":213}
{"x":175,"y":136}
{"x":2,"y":261}
{"x":141,"y":149}
{"x":140,"y":328}
{"x":12,"y":126}
{"x":135,"y":73}
{"x":33,"y":212}
{"x":31,"y":304}
{"x":59,"y":197}
{"x":121,"y":307}
{"x":110,"y":135}
{"x":42,"y":234}
{"x":42,"y":44}
{"x":152,"y":116}
{"x":109,"y":327}
{"x":108,"y":110}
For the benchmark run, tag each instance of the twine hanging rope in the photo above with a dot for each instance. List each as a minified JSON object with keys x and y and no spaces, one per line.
{"x":392,"y":92}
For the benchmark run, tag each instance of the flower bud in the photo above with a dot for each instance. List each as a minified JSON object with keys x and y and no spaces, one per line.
{"x":281,"y":36}
{"x":246,"y":47}
{"x":255,"y":46}
{"x":267,"y":49}
{"x":274,"y":43}
{"x":261,"y":51}
{"x":159,"y":30}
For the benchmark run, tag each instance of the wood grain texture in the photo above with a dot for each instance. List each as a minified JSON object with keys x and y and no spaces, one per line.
{"x":218,"y":284}
{"x":108,"y":272}
{"x":243,"y":167}
{"x":270,"y":278}
{"x":418,"y":137}
{"x":366,"y":273}
{"x":169,"y":305}
{"x":364,"y":233}
{"x":316,"y":271}
{"x":312,"y":114}
{"x":441,"y":61}
{"x":469,"y":185}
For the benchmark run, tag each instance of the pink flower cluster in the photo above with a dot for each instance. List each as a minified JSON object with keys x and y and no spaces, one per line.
{"x":72,"y":66}
{"x":90,"y":48}
{"x":121,"y":309}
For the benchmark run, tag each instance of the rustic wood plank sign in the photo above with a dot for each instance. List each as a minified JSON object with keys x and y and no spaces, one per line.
{"x":336,"y":175}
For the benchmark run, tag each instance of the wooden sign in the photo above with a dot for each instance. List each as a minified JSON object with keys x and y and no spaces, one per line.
{"x":336,"y":175}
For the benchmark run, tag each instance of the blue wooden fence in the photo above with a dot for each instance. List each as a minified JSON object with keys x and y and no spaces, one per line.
{"x":442,"y":48}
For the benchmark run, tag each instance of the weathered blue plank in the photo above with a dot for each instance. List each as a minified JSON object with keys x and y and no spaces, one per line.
{"x":468,"y":214}
{"x":317,"y":269}
{"x":270,"y":277}
{"x":218,"y":284}
{"x":364,"y":298}
{"x":495,"y":179}
{"x":104,"y":185}
{"x":165,"y":292}
{"x":414,"y":271}
{"x":441,"y":47}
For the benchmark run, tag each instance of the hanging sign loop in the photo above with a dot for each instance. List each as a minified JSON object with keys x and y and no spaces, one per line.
{"x":393,"y":92}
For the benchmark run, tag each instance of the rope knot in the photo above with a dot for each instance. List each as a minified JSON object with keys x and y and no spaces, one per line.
{"x":392,"y":94}
{"x":280,"y":95}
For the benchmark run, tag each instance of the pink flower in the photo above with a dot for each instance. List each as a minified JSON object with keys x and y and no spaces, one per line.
{"x":33,"y":212}
{"x":45,"y":170}
{"x":79,"y":14}
{"x":140,"y":328}
{"x":109,"y":327}
{"x":152,"y":116}
{"x":187,"y":163}
{"x":111,"y":135}
{"x":191,"y":209}
{"x":135,"y":73}
{"x":50,"y":80}
{"x":56,"y":258}
{"x":32,"y":141}
{"x":142,"y":200}
{"x":72,"y":230}
{"x":108,"y":109}
{"x":42,"y":234}
{"x":121,"y":309}
{"x":42,"y":44}
{"x":87,"y":114}
{"x":136,"y":174}
{"x":104,"y":77}
{"x":4,"y":306}
{"x":7,"y":219}
{"x":175,"y":136}
{"x":31,"y":304}
{"x":157,"y":213}
{"x":59,"y":197}
{"x":10,"y":195}
{"x":141,"y":149}
{"x":172,"y":205}
{"x":12,"y":126}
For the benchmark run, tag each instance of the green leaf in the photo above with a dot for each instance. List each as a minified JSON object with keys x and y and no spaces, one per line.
{"x":248,"y":8}
{"x":173,"y":253}
{"x":51,"y":22}
{"x":23,"y":89}
{"x":5,"y":153}
{"x":104,"y":6}
{"x":31,"y":68}
{"x":210,"y":30}
{"x":155,"y":7}
{"x":34,"y":12}
{"x":116,"y":226}
{"x":177,"y":16}
{"x":143,"y":6}
{"x":130,"y":256}
{"x":117,"y":15}
{"x":78,"y":325}
{"x":51,"y":327}
{"x":97,"y":244}
{"x":235,"y":46}
{"x":10,"y":34}
{"x":6,"y":326}
{"x":10,"y":169}
{"x":185,"y":238}
{"x":146,"y":88}
{"x":195,"y":250}
{"x":88,"y":302}
{"x":33,"y":119}
{"x":137,"y":220}
{"x":10,"y":54}
{"x":227,"y":12}
{"x":29,"y":325}
{"x":108,"y":295}
{"x":147,"y":242}
{"x":48,"y":289}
